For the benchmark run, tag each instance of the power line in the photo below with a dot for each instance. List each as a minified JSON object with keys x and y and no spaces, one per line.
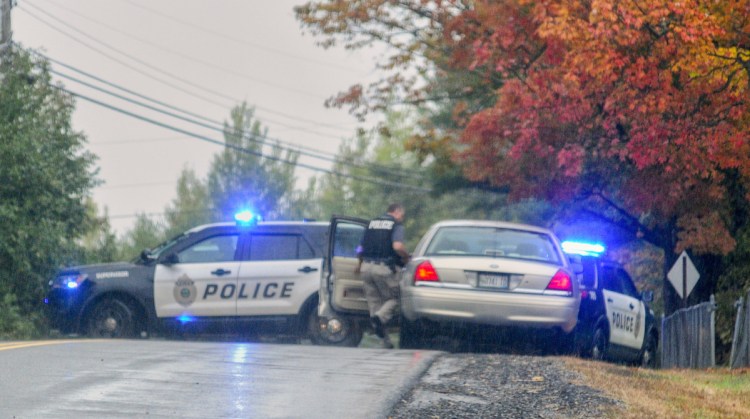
{"x":152,"y":44}
{"x":155,"y":68}
{"x":241,"y":149}
{"x":216,"y":126}
{"x":239,"y":41}
{"x":164,"y":82}
{"x":127,"y":65}
{"x":137,"y":185}
{"x":150,"y":99}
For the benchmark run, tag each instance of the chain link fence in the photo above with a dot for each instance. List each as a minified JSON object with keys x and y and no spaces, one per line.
{"x":687,"y":338}
{"x":740,"y":356}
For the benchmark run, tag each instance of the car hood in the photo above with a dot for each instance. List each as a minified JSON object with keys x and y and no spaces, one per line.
{"x":102,"y":270}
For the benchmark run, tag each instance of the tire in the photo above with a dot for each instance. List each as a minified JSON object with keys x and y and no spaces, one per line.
{"x":599,"y":344}
{"x":339,"y":331}
{"x":648,"y":357}
{"x":410,"y":335}
{"x":111,"y":318}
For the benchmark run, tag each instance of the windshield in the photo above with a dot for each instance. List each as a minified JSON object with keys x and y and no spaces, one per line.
{"x":161,"y":248}
{"x":493,"y":242}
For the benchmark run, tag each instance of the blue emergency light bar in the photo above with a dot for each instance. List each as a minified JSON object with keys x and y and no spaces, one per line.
{"x":583,"y":248}
{"x":185,"y":319}
{"x":246,"y":218}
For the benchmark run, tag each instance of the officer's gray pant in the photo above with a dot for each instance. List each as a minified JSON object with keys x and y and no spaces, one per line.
{"x":381,"y":290}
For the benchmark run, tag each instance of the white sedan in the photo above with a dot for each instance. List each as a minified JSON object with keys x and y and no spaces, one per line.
{"x":486,"y":273}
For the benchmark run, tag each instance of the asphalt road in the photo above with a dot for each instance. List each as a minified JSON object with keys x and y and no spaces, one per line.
{"x":81,"y":378}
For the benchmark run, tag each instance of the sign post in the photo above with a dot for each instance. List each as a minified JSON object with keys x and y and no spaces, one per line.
{"x":683,"y":276}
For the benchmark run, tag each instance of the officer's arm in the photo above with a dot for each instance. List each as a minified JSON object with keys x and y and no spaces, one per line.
{"x":399,"y":248}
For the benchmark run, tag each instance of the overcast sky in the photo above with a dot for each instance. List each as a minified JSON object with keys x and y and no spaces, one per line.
{"x":198,"y":55}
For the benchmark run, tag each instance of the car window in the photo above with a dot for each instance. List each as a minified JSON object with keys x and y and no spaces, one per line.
{"x":279,"y":247}
{"x":348,"y":238}
{"x":493,"y":242}
{"x":212,"y":249}
{"x":610,"y":280}
{"x":628,"y":287}
{"x":588,"y":276}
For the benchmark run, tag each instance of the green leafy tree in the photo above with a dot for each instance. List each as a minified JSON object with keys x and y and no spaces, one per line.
{"x":45,"y":176}
{"x":99,"y":244}
{"x":145,"y":234}
{"x":250,"y":172}
{"x":191,"y":207}
{"x":375,"y":169}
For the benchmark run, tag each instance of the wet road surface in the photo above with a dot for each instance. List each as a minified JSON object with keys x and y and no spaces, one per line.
{"x":151,"y":378}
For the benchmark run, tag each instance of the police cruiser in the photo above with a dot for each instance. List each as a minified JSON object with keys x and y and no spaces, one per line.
{"x":614,"y":321}
{"x":247,"y":277}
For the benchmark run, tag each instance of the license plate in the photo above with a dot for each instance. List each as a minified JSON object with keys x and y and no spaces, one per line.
{"x":488,"y":280}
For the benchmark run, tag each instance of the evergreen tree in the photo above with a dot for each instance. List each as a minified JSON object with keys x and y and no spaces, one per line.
{"x":250,"y":173}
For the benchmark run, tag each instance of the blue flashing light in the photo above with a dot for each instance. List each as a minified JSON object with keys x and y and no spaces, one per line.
{"x":246,"y":218}
{"x":72,"y":284}
{"x":185,"y":319}
{"x":583,"y":248}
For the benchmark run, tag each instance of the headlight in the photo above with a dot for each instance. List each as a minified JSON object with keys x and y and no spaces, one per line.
{"x":68,"y":281}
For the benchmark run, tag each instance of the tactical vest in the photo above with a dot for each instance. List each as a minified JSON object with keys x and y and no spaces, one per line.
{"x":377,"y":244}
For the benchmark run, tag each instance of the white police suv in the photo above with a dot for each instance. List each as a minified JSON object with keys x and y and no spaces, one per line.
{"x":257,"y":278}
{"x":614,"y":320}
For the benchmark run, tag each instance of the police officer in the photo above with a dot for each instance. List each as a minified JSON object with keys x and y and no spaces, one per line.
{"x":381,"y":255}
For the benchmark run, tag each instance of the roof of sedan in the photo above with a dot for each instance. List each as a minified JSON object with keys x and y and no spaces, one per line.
{"x":490,"y":223}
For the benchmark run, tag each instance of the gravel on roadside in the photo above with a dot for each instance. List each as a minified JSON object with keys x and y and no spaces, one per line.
{"x":468,"y":385}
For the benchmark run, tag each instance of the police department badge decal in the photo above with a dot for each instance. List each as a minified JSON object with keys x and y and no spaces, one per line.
{"x":185,"y":291}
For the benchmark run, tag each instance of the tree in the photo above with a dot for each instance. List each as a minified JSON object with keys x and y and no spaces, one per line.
{"x":250,"y":173}
{"x":99,"y":244}
{"x":45,"y":176}
{"x":191,"y":207}
{"x":375,"y":169}
{"x":145,"y":234}
{"x":630,"y":112}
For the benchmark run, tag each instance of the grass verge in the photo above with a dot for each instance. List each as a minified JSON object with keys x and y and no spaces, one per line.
{"x":709,"y":393}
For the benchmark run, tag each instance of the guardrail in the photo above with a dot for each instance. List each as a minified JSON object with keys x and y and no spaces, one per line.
{"x":687,"y":338}
{"x":740,"y":356}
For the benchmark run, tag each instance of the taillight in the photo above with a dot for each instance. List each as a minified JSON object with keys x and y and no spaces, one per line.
{"x":425,"y":272}
{"x":560,"y":282}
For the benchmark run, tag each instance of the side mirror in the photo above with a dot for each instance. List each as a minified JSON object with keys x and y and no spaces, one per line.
{"x":171,"y":259}
{"x":647,"y":296}
{"x":146,"y":256}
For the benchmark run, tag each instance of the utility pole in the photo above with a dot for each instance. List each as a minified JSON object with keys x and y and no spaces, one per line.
{"x":5,"y":32}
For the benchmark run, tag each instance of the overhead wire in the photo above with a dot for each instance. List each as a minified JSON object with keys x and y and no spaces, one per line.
{"x":381,"y":182}
{"x":215,"y":126}
{"x":152,"y":44}
{"x":219,"y":127}
{"x":162,"y":81}
{"x":223,"y":105}
{"x":236,"y":40}
{"x":157,"y":69}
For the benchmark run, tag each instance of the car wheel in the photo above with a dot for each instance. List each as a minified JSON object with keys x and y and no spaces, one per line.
{"x":410,"y":335}
{"x":337,"y":331}
{"x":648,"y":357}
{"x":111,"y":318}
{"x":599,"y":344}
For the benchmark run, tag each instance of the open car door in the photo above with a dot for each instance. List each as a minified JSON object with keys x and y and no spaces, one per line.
{"x":342,"y":287}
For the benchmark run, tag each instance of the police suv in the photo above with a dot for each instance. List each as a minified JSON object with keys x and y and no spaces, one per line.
{"x":251,"y":277}
{"x":614,"y":321}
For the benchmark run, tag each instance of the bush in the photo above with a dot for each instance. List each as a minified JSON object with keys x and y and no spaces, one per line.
{"x":13,"y":323}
